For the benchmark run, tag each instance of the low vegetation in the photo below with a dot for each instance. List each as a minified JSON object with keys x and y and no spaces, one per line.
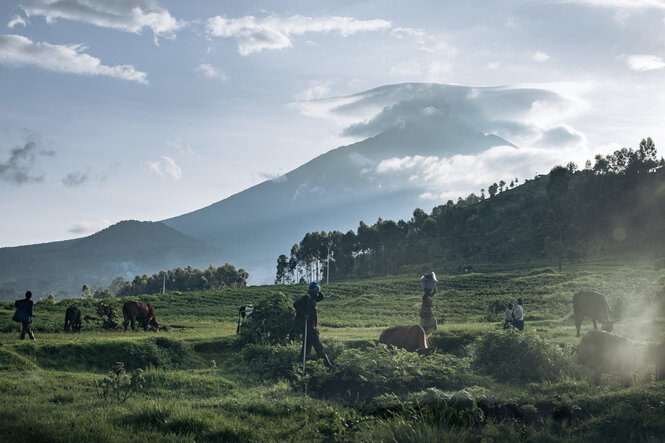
{"x":195,"y":380}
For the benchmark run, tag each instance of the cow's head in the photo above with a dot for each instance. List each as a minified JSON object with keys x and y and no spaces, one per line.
{"x":607,"y":325}
{"x":154,"y":324}
{"x":426,"y":351}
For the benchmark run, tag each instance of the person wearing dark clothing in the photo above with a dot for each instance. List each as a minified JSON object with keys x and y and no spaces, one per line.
{"x":23,"y":315}
{"x":307,"y":318}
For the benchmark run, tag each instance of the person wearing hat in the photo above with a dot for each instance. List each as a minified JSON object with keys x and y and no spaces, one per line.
{"x":427,"y":319}
{"x":23,"y":315}
{"x":518,"y":315}
{"x":307,"y":318}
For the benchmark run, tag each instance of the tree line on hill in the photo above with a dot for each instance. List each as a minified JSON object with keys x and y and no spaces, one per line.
{"x":178,"y":279}
{"x":615,"y":204}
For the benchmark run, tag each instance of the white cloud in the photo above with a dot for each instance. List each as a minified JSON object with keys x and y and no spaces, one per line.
{"x":274,"y":32}
{"x":87,"y":227}
{"x":621,"y":4}
{"x":493,"y":65}
{"x":426,"y":42}
{"x":124,"y":15}
{"x":166,"y":167}
{"x":179,"y":146}
{"x":316,"y":89}
{"x":209,"y":71}
{"x":645,"y":62}
{"x":16,"y":20}
{"x":441,"y":179}
{"x":540,"y":57}
{"x":16,"y":50}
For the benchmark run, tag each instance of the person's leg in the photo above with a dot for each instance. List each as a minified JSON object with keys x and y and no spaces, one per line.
{"x":306,"y":347}
{"x":24,"y":327}
{"x":320,"y":352}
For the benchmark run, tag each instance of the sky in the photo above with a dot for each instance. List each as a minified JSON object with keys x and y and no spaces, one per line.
{"x":148,"y":109}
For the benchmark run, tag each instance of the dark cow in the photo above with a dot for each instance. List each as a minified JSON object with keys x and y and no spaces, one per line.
{"x":73,"y":319}
{"x":139,"y":311}
{"x":409,"y":337}
{"x":659,"y":355}
{"x":591,"y":304}
{"x":605,"y":352}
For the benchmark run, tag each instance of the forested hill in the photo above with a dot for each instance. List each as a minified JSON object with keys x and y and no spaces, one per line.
{"x":124,"y":249}
{"x":612,"y":207}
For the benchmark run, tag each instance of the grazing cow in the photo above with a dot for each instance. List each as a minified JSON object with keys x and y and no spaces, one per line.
{"x":73,"y":319}
{"x":591,"y":304}
{"x":660,"y":362}
{"x":410,"y":337}
{"x":139,"y":311}
{"x":605,"y":352}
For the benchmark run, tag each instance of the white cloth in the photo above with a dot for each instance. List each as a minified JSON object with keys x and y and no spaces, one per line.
{"x":518,"y":313}
{"x":509,"y":314}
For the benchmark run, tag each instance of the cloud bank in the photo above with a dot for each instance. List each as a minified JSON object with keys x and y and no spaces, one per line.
{"x":16,"y":50}
{"x":275,"y":31}
{"x":124,"y":15}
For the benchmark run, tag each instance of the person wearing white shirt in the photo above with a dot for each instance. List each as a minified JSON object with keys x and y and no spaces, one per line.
{"x":518,"y":315}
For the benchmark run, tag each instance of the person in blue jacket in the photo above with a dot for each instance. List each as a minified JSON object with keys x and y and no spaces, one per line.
{"x":23,"y":315}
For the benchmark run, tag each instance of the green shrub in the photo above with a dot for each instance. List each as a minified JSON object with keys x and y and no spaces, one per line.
{"x":271,"y":321}
{"x":511,"y":355}
{"x":370,"y":372}
{"x":270,"y":362}
{"x":109,"y":315}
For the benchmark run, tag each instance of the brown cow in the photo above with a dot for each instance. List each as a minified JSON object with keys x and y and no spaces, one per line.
{"x":607,"y":353}
{"x":139,"y":311}
{"x":410,"y":337}
{"x":591,"y":304}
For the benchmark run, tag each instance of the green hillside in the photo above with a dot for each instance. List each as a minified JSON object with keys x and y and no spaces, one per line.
{"x":199,"y":383}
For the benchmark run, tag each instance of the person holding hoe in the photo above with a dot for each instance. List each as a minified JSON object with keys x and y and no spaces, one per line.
{"x":306,"y":323}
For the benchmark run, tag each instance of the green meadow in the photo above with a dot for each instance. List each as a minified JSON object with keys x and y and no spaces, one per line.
{"x":195,"y":380}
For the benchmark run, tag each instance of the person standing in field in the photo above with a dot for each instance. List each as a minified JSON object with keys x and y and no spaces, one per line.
{"x":306,"y":321}
{"x":427,"y":319}
{"x":23,"y":315}
{"x":518,"y":315}
{"x":508,"y":316}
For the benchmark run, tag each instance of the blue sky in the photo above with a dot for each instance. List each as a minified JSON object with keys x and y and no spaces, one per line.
{"x":142,"y":109}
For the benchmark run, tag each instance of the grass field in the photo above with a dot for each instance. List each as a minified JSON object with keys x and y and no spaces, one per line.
{"x":199,"y":384}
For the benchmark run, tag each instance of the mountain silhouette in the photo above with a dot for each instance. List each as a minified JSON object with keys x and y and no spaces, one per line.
{"x":333,"y":191}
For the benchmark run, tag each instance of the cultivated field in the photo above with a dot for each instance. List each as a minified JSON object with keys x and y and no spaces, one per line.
{"x":198,"y":383}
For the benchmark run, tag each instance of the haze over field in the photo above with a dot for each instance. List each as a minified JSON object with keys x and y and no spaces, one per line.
{"x":152,"y":109}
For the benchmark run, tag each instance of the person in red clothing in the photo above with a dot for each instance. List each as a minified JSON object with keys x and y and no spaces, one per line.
{"x":306,"y":318}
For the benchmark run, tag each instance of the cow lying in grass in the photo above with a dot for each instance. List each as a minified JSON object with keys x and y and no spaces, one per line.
{"x":607,"y":353}
{"x":594,"y":305}
{"x":409,"y":337}
{"x":140,"y":311}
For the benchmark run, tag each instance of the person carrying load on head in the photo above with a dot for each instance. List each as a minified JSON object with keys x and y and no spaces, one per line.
{"x":427,"y":318}
{"x":306,"y":323}
{"x":23,"y":315}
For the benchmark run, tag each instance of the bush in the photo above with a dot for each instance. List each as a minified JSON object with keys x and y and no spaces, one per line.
{"x":511,"y":355}
{"x":370,"y":372}
{"x":271,"y":320}
{"x":111,"y":313}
